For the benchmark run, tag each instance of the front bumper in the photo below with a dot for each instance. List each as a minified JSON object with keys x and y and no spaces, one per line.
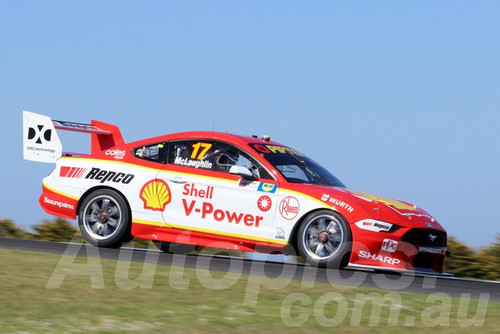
{"x":403,"y":249}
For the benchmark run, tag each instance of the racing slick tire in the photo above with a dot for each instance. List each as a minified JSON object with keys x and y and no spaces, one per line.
{"x":324,"y":239}
{"x":104,"y":219}
{"x":173,"y":248}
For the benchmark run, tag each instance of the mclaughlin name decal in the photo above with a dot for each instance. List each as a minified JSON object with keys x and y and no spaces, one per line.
{"x":193,"y":163}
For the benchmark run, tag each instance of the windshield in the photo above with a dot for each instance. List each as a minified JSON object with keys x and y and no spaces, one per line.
{"x":295,"y":166}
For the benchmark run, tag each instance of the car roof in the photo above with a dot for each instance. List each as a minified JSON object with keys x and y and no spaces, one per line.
{"x":211,"y":135}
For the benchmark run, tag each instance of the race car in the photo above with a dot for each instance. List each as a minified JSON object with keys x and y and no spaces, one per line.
{"x":227,"y":191}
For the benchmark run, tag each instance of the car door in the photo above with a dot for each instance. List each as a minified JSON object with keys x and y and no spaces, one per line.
{"x":207,"y":198}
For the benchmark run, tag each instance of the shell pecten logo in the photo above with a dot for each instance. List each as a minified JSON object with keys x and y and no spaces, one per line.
{"x":156,"y":195}
{"x":388,"y":201}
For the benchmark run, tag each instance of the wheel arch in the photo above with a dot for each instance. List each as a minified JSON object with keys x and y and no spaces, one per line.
{"x":292,"y":240}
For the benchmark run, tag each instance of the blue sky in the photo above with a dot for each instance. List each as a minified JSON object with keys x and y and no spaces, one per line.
{"x":396,"y":98}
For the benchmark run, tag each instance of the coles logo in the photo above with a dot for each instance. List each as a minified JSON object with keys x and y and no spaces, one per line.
{"x":289,"y":207}
{"x":156,"y":195}
{"x":117,"y":154}
{"x":264,"y":203}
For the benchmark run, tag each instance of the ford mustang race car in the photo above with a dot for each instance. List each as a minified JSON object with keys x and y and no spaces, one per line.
{"x":226,"y":191}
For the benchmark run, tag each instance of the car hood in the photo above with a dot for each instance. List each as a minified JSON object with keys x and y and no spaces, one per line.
{"x":358,"y":205}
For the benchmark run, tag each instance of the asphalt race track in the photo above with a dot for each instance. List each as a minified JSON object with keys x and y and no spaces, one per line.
{"x":426,"y":284}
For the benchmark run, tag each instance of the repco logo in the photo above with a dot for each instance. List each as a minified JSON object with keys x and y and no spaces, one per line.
{"x":104,"y":175}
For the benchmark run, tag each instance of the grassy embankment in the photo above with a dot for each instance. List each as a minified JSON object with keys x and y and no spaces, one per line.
{"x":42,"y":292}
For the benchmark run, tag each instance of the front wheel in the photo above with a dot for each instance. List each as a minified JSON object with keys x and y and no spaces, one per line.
{"x":324,"y":239}
{"x":104,"y":219}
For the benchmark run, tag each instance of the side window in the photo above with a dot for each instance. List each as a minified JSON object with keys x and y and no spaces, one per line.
{"x":190,"y":153}
{"x":156,"y":152}
{"x":213,"y":155}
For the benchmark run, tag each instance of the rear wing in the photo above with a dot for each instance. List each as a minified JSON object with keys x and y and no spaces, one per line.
{"x":41,"y":142}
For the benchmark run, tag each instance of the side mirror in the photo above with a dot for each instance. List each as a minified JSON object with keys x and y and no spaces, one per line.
{"x":243,"y":172}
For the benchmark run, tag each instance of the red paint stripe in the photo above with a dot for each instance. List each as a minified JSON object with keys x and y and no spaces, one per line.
{"x":83,"y":170}
{"x":64,"y":171}
{"x":73,"y":171}
{"x":77,"y":171}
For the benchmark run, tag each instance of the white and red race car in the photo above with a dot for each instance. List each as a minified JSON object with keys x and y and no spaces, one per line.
{"x":226,"y":191}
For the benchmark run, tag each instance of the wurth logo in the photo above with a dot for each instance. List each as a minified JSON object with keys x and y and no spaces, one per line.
{"x":73,"y":172}
{"x":336,"y":202}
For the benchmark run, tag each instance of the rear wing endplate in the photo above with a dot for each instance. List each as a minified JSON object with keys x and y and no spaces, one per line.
{"x":41,"y":142}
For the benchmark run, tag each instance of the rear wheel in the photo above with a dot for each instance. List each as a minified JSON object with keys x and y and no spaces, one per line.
{"x":324,"y":239}
{"x":104,"y":219}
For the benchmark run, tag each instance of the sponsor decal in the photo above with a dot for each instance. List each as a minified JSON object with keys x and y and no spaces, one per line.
{"x":73,"y":172}
{"x":60,"y":205}
{"x":337,"y":203}
{"x":289,"y":207}
{"x":373,"y":225}
{"x":39,"y":135}
{"x":267,"y":187}
{"x":204,"y":192}
{"x":429,"y":225}
{"x":389,"y":245}
{"x":186,"y":162}
{"x":199,"y":154}
{"x":156,"y":195}
{"x":261,"y":148}
{"x":104,"y":175}
{"x":280,"y":233}
{"x":40,"y":149}
{"x":388,"y":201}
{"x":433,"y":250}
{"x":117,"y":154}
{"x":206,"y":210}
{"x":264,"y":203}
{"x":377,"y":257}
{"x":275,"y":149}
{"x":77,"y":126}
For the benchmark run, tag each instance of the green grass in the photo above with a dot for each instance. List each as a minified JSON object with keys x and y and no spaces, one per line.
{"x":121,"y":296}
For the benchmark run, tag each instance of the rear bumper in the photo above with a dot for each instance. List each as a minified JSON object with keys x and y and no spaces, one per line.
{"x":57,"y":203}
